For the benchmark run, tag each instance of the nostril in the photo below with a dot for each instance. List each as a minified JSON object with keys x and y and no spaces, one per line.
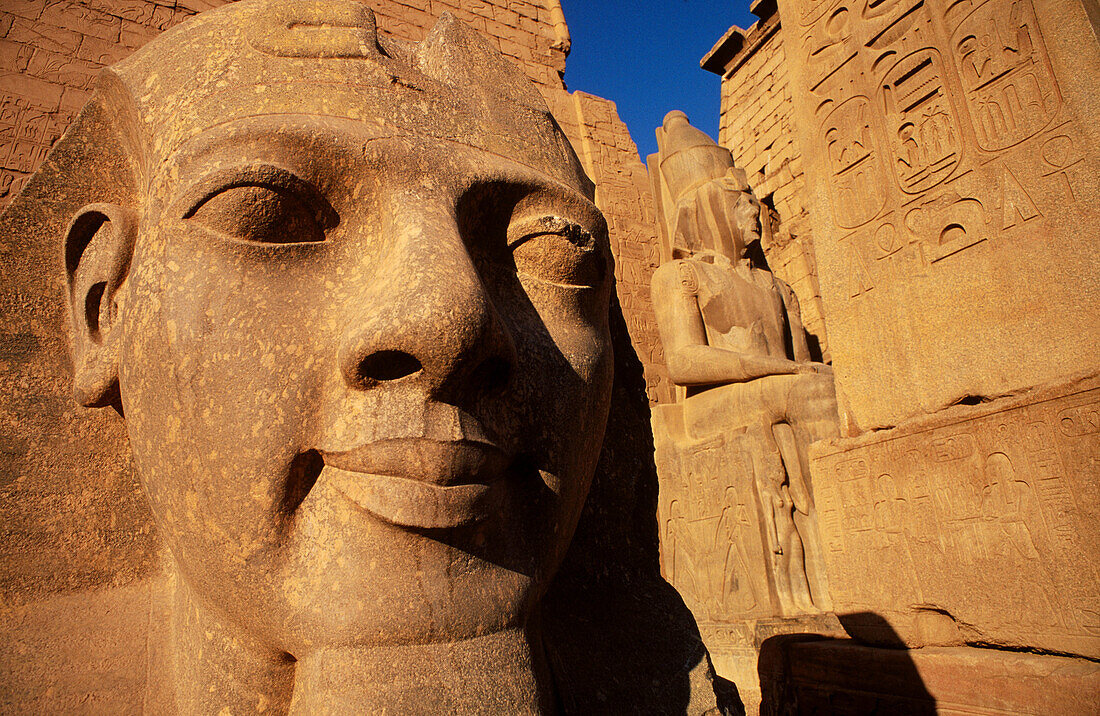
{"x":492,"y":375}
{"x":388,"y":365}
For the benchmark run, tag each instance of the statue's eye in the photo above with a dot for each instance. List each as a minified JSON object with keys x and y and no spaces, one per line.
{"x":556,"y":250}
{"x":260,"y":214}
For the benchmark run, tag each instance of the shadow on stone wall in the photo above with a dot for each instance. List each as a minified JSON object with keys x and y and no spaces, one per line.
{"x":809,"y":674}
{"x":619,"y":637}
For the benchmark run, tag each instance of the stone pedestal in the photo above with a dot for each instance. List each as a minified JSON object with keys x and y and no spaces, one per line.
{"x":714,"y":550}
{"x":843,"y":678}
{"x":735,"y":647}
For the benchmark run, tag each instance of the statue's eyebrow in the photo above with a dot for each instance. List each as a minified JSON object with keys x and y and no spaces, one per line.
{"x":287,"y":138}
{"x":521,"y":174}
{"x":270,"y":130}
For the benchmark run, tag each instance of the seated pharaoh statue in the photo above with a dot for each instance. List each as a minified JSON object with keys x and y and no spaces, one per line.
{"x":347,"y":307}
{"x":736,"y":349}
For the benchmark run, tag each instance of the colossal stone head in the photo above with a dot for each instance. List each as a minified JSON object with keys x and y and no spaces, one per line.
{"x":355,"y":312}
{"x":356,"y":317}
{"x":353,"y":300}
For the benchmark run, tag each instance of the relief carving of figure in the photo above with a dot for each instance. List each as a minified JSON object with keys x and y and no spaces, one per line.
{"x":735,"y":345}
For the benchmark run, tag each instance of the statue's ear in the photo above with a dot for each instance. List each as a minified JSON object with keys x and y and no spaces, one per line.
{"x":99,"y":243}
{"x":71,"y":232}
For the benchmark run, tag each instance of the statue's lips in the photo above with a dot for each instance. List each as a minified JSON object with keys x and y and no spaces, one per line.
{"x":421,"y":483}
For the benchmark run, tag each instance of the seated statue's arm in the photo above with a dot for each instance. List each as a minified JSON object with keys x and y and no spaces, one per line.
{"x":799,"y":343}
{"x":689,"y":359}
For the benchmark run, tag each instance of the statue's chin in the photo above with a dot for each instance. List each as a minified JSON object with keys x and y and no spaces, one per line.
{"x":454,"y":596}
{"x":357,"y":621}
{"x":488,"y":600}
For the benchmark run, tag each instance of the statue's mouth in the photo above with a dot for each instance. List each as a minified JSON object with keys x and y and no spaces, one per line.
{"x":421,"y":483}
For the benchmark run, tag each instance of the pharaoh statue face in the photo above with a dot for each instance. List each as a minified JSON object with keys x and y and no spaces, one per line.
{"x":356,"y":319}
{"x":746,"y":224}
{"x":714,"y":210}
{"x":721,"y":216}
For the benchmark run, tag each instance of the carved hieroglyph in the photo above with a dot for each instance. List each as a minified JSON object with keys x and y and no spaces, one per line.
{"x":738,"y":520}
{"x":979,"y":524}
{"x":952,"y":155}
{"x":350,"y":297}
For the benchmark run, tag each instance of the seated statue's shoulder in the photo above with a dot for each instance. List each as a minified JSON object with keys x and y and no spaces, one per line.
{"x":680,"y":272}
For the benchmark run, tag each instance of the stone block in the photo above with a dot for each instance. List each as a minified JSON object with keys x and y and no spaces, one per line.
{"x":78,"y":18}
{"x":197,"y":6}
{"x":843,"y":678}
{"x":55,"y":39}
{"x":735,"y":648}
{"x":953,"y":164}
{"x":28,"y":9}
{"x":140,"y":11}
{"x":134,"y":35}
{"x":22,"y":91}
{"x":977,"y":525}
{"x":59,"y":68}
{"x":14,"y":56}
{"x":100,"y":52}
{"x":11,"y":182}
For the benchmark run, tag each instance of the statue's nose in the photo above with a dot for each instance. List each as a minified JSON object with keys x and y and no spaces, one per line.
{"x":427,"y":318}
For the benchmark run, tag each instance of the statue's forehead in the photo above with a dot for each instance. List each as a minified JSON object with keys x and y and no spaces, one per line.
{"x":320,"y":142}
{"x":323,"y":59}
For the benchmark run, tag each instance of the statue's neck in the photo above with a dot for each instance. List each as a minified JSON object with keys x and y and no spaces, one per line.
{"x":489,"y":674}
{"x":217,"y":667}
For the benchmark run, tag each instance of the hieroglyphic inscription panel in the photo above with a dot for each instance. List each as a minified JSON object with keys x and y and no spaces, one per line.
{"x":989,"y":514}
{"x":952,"y":153}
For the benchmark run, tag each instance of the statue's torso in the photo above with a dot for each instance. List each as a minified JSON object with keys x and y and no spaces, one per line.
{"x":742,"y":309}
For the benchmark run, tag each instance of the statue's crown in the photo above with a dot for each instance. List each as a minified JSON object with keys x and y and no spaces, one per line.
{"x":688,"y":157}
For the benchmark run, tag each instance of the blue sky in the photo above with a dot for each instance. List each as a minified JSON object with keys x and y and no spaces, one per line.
{"x":644,"y":55}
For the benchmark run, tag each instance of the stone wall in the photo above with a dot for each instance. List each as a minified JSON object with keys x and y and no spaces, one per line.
{"x":611,"y":159}
{"x":755,"y":125}
{"x":951,"y":156}
{"x":531,"y":33}
{"x":49,"y":57}
{"x":950,"y":151}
